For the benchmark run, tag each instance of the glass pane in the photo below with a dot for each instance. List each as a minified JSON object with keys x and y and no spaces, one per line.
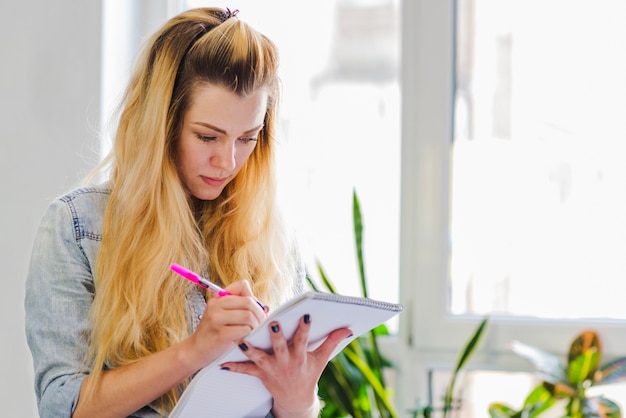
{"x":538,"y":201}
{"x":340,"y":130}
{"x":475,"y":390}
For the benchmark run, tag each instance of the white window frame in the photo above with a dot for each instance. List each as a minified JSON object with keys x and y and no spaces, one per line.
{"x":429,"y":336}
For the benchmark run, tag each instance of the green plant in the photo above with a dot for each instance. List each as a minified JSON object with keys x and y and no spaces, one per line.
{"x":568,"y":383}
{"x":449,"y":403}
{"x":353,"y":384}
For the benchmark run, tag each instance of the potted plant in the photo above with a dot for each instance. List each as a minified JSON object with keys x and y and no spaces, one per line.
{"x":568,"y":383}
{"x":353,"y":383}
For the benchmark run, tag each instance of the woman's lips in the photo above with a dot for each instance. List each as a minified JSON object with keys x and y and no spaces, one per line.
{"x":212,"y":181}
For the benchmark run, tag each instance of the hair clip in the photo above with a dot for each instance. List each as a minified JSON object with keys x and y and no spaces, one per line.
{"x":228,"y":14}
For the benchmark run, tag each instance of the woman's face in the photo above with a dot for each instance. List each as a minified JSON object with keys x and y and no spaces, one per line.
{"x":219,"y":132}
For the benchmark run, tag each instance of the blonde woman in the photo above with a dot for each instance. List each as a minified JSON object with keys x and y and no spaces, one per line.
{"x":115,"y":333}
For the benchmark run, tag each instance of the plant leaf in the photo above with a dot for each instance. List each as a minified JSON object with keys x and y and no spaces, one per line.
{"x":325,"y":279}
{"x":357,"y":220}
{"x":582,"y":367}
{"x":336,"y":389}
{"x":373,"y":381}
{"x":499,"y":410}
{"x":583,"y":357}
{"x":311,"y":282}
{"x":375,"y":359}
{"x":471,"y":344}
{"x":601,"y":407}
{"x":538,"y":400}
{"x":381,"y":330}
{"x":614,"y":371}
{"x":465,"y":355}
{"x":560,"y":390}
{"x":585,"y":341}
{"x":547,"y":366}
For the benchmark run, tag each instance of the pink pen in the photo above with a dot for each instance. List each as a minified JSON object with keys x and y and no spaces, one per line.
{"x":196,"y":278}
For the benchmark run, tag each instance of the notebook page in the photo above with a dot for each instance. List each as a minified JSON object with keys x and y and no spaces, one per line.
{"x":215,"y":392}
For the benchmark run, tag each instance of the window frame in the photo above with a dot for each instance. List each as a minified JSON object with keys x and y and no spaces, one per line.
{"x":429,"y":336}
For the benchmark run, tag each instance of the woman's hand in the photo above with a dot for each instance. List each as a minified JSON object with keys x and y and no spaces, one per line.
{"x":290,"y":373}
{"x":225,"y":320}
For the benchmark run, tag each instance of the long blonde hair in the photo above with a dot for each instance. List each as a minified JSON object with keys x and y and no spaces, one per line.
{"x":140,"y":307}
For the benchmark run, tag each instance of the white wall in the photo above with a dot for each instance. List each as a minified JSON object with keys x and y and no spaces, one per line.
{"x":51,"y":85}
{"x":49,"y":109}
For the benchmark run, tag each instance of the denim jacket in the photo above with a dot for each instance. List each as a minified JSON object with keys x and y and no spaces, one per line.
{"x":59,"y":292}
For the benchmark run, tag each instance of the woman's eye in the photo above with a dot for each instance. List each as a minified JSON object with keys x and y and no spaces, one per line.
{"x":247,"y":140}
{"x":205,"y":138}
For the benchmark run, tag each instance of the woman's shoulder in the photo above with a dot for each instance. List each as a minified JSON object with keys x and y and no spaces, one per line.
{"x":89,"y":192}
{"x":87,"y":197}
{"x":84,"y":205}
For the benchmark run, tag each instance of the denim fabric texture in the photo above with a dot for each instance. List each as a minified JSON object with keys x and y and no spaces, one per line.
{"x":59,"y":293}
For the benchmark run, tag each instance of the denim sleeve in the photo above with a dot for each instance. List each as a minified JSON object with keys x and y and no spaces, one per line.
{"x":59,"y":293}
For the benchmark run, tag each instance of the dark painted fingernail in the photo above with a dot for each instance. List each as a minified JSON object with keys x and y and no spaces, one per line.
{"x":307,"y":319}
{"x":350,"y":336}
{"x":243,"y":347}
{"x":275,"y":328}
{"x":225,"y":368}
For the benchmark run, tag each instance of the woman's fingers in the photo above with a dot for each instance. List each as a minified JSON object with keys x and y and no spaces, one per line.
{"x":258,"y":358}
{"x":289,"y":371}
{"x":324,"y":351}
{"x":279,"y":343}
{"x":242,"y":289}
{"x":227,"y":319}
{"x":289,"y":354}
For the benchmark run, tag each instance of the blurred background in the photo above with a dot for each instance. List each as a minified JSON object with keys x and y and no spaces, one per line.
{"x":484,"y":139}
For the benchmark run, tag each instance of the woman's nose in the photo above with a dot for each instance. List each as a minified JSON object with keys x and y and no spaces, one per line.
{"x":224,"y":157}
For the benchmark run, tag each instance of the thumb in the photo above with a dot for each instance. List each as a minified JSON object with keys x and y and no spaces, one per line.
{"x":325,"y":350}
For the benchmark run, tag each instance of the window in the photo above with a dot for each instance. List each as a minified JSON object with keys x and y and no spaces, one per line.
{"x":538,"y":184}
{"x":512,"y":188}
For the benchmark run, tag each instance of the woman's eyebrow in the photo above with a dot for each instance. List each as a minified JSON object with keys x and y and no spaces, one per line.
{"x":222,"y":131}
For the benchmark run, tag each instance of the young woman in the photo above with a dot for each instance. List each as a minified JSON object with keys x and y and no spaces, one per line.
{"x":115,"y":333}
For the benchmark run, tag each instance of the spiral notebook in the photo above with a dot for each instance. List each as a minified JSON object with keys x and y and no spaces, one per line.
{"x":220,"y":393}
